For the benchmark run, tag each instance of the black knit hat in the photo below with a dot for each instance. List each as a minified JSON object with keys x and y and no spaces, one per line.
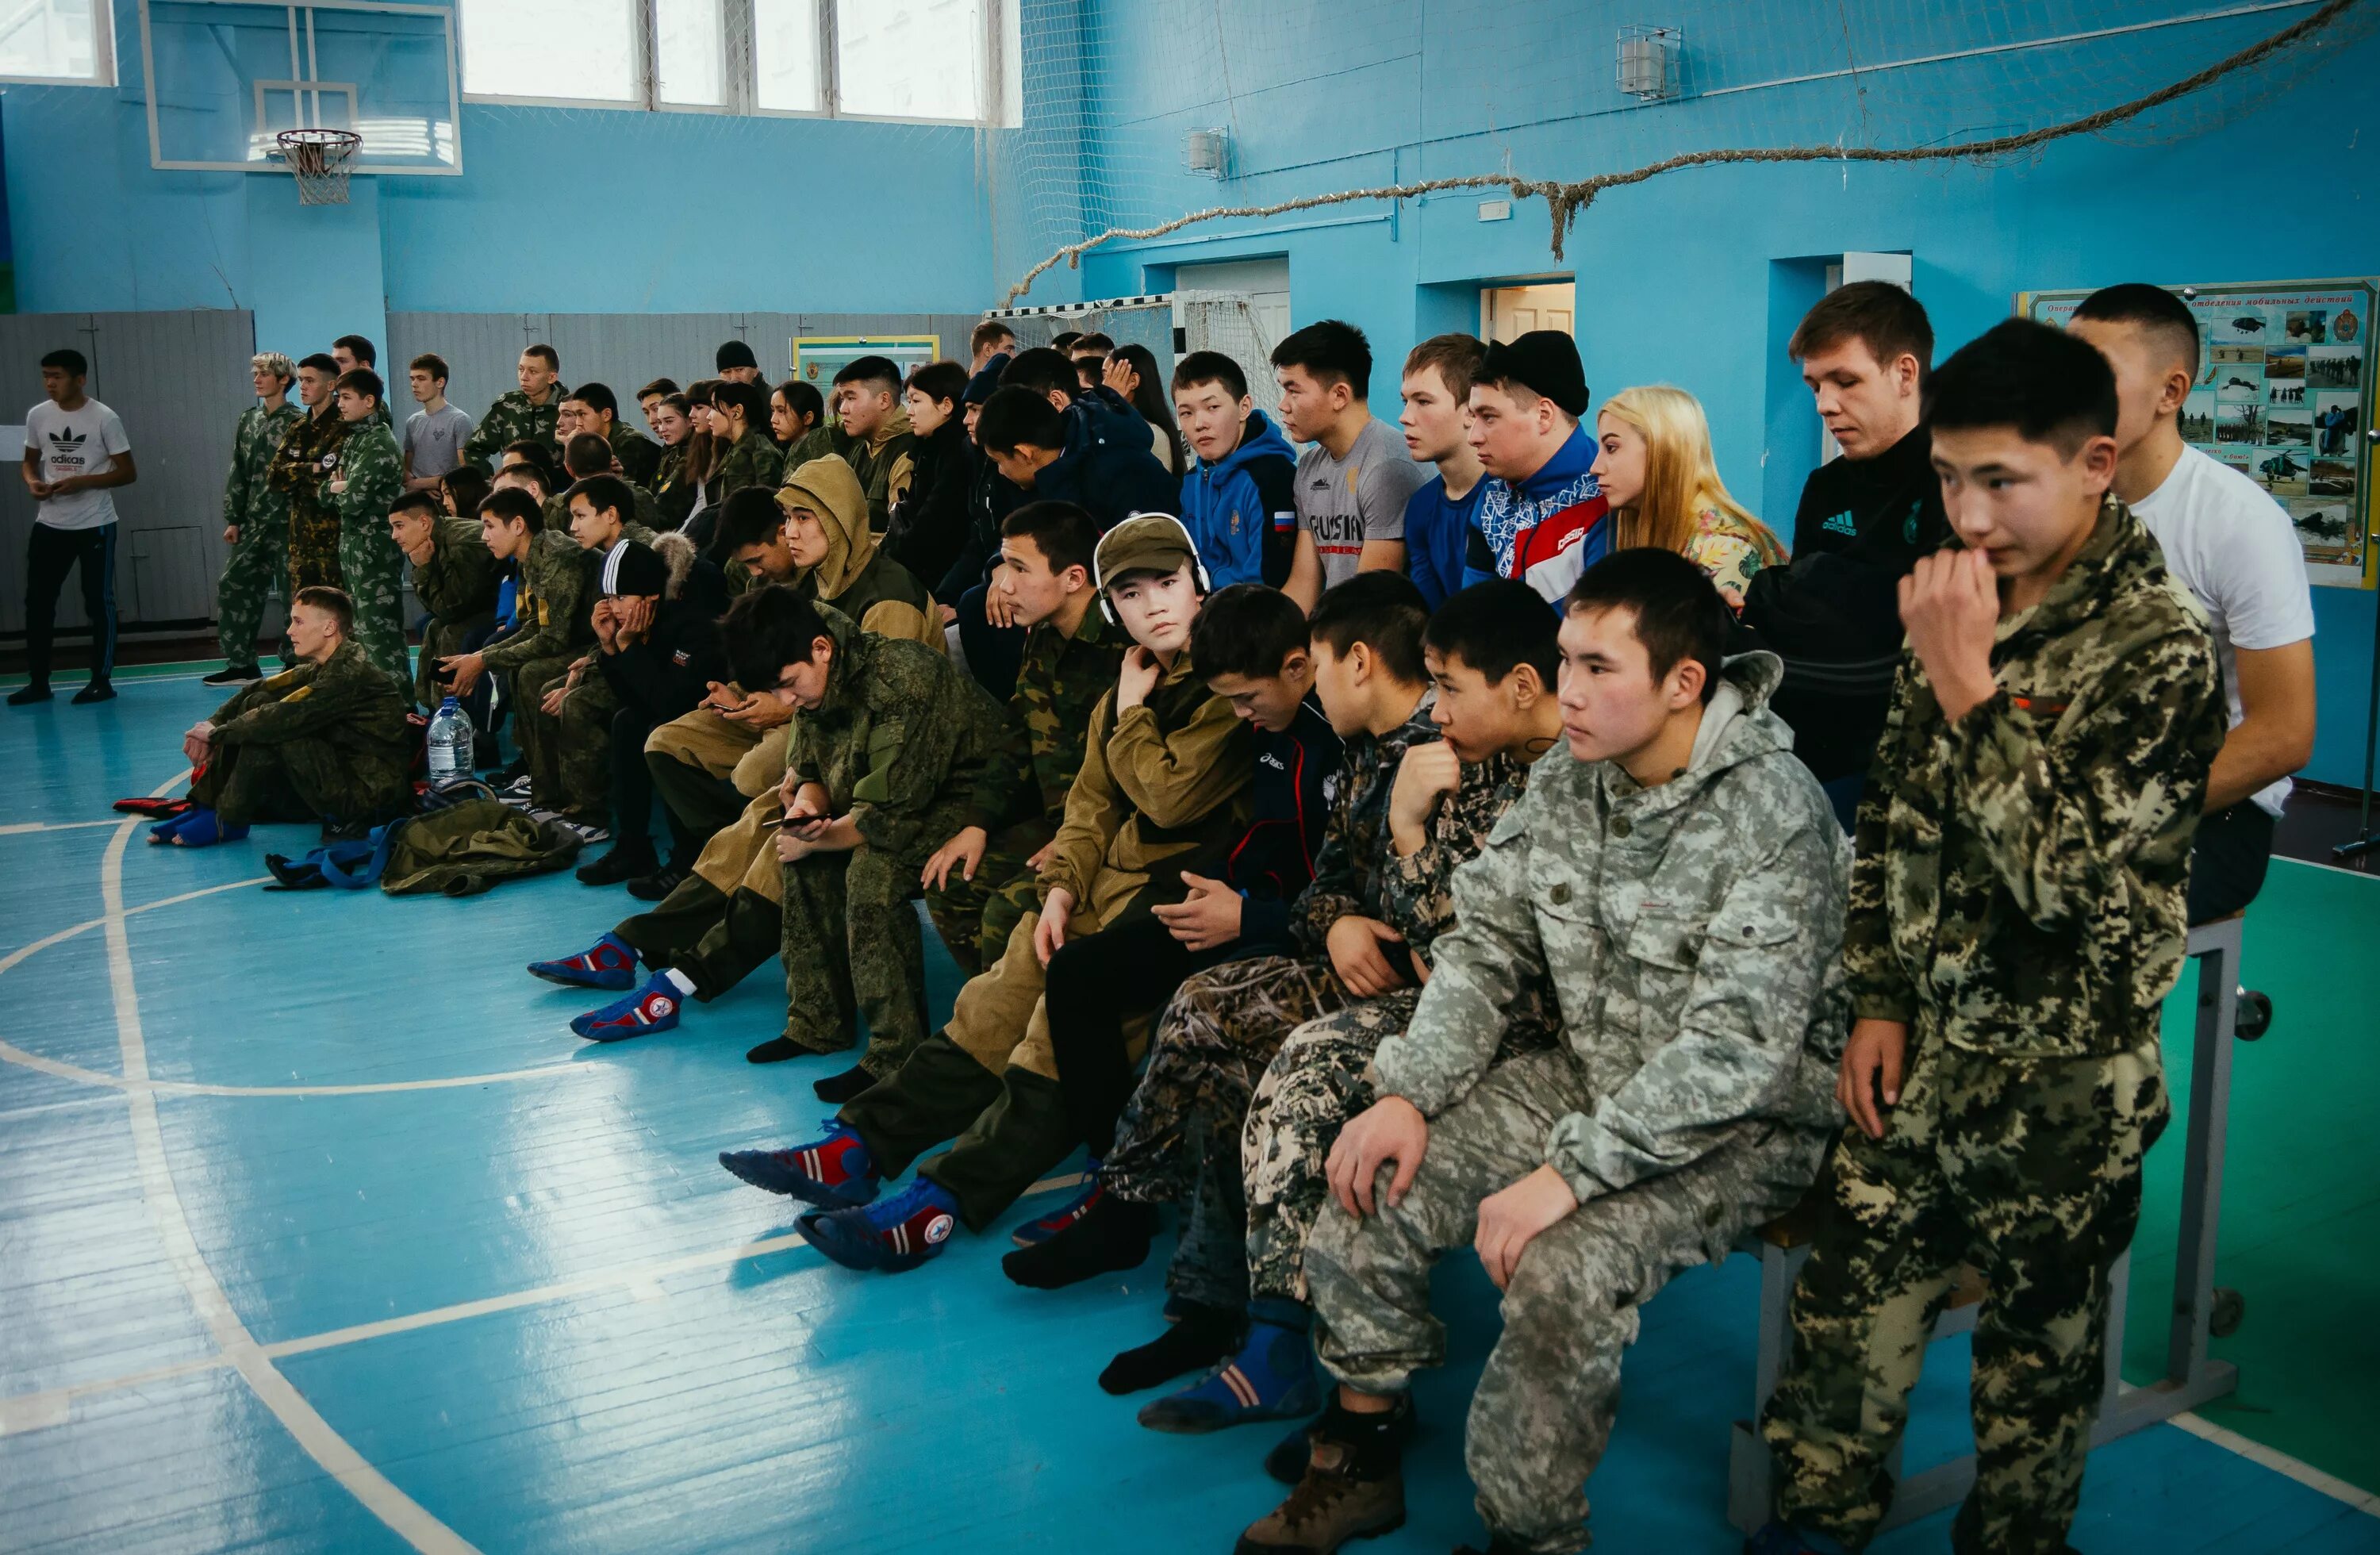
{"x":735,"y":353}
{"x":981,"y":387}
{"x":1546,"y":362}
{"x":634,"y":569}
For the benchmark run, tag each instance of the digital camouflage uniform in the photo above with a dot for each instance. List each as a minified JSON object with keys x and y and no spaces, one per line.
{"x":1319,"y":1079}
{"x":2019,"y":905}
{"x":751,"y":460}
{"x":639,"y":456}
{"x":898,"y":743}
{"x":1020,"y":801}
{"x":550,"y":632}
{"x":258,"y":562}
{"x":512,"y":418}
{"x":459,"y":586}
{"x":1161,"y":782}
{"x":373,"y":469}
{"x":885,"y":465}
{"x":1689,"y":934}
{"x":327,"y":741}
{"x":300,"y":467}
{"x":1179,"y":1137}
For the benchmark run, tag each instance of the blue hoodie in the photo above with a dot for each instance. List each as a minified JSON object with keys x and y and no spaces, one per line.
{"x":1242,"y":510}
{"x":1106,"y":467}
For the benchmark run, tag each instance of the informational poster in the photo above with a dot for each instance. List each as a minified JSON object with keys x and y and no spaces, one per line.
{"x":817,"y":358}
{"x":2284,"y":394}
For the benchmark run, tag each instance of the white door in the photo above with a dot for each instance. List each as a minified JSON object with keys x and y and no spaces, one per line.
{"x":1509,"y":313}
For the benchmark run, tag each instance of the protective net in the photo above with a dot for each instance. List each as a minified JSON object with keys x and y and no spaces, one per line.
{"x":1374,"y":100}
{"x":1171,"y":326}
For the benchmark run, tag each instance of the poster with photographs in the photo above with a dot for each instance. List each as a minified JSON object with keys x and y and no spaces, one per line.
{"x":2284,"y":394}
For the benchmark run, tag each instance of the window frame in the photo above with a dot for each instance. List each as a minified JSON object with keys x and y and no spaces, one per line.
{"x":740,"y":74}
{"x":103,"y":54}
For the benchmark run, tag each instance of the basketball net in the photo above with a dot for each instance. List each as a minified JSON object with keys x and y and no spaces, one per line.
{"x":318,"y":159}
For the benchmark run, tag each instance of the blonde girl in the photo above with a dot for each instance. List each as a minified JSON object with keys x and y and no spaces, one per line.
{"x":1655,"y":468}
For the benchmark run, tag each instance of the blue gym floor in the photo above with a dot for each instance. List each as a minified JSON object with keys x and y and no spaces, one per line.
{"x":320,"y":1232}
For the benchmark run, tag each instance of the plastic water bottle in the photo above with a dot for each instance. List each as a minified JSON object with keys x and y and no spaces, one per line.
{"x":449,"y":743}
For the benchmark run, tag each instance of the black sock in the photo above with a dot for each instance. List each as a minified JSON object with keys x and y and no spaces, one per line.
{"x":1374,"y":1442}
{"x":1205,"y":1335}
{"x":839,"y":1088}
{"x":1112,"y":1234}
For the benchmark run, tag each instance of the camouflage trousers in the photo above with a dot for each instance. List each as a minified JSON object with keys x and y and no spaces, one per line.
{"x":1545,"y":1405}
{"x":256,"y":569}
{"x":976,"y":916}
{"x":538,"y":732}
{"x":374,"y":570}
{"x":1179,"y":1137}
{"x":442,"y":639}
{"x":300,"y":780}
{"x":2031,"y":1171}
{"x":854,"y":950}
{"x":1310,"y":1091}
{"x":582,"y":749}
{"x":312,"y":545}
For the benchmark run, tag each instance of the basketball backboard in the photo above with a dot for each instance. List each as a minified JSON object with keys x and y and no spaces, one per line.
{"x":224,"y":77}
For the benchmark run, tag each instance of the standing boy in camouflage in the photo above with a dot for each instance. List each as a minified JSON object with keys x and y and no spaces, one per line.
{"x":2016,"y":922}
{"x":982,"y":881}
{"x":301,"y":466}
{"x":363,"y":488}
{"x":526,"y":413}
{"x":325,"y":738}
{"x":1674,"y":880}
{"x":256,"y":520}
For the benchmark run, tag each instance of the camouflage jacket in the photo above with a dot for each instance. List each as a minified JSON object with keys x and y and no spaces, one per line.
{"x":1347,"y":873}
{"x":459,"y":582}
{"x":752,"y":460}
{"x":1417,"y":891}
{"x":898,"y":742}
{"x":2021,"y":873}
{"x":1048,"y":718}
{"x":373,"y":468}
{"x":346,"y":701}
{"x":510,"y":420}
{"x":309,"y":453}
{"x":1689,"y":935}
{"x":550,"y":604}
{"x":246,"y":497}
{"x":639,"y":456}
{"x":885,"y":465}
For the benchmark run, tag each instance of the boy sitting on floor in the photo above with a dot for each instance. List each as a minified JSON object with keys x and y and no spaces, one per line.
{"x":1165,"y":774}
{"x":327,"y":738}
{"x":1674,"y":882}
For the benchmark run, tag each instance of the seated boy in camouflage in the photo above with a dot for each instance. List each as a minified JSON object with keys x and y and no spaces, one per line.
{"x":454,"y":575}
{"x":326,"y":738}
{"x":551,"y":626}
{"x":2017,"y":917}
{"x":1672,"y":886}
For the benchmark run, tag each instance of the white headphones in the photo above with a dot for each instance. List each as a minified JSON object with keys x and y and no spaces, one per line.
{"x":1197,"y":567}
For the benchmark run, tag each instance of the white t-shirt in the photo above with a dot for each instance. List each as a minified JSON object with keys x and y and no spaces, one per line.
{"x":84,"y":441}
{"x":2233,"y":546}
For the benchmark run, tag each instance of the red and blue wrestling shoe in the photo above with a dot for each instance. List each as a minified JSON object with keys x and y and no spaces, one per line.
{"x":609,"y":964}
{"x":650,"y":1009}
{"x":835,"y":1171}
{"x":891,"y":1238}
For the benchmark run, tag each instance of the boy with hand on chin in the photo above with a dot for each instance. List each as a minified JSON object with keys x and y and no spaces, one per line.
{"x":2016,"y":922}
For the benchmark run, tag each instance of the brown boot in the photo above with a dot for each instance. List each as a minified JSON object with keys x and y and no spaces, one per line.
{"x":1329,"y":1507}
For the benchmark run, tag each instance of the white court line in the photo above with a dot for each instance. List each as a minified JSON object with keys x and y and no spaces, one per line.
{"x":11,"y":1053}
{"x":53,"y":1406}
{"x":2280,"y":1463}
{"x":2334,"y":868}
{"x":21,"y":827}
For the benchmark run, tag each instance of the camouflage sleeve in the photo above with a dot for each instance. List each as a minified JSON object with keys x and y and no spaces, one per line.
{"x":1007,"y":777}
{"x":488,"y":439}
{"x":1758,"y":972}
{"x":1881,"y":986}
{"x":236,"y":485}
{"x":256,"y":695}
{"x":2066,"y":811}
{"x":1478,"y":974}
{"x":559,"y":586}
{"x":1416,"y":898}
{"x":1335,"y":892}
{"x":1175,"y":780}
{"x":1095,"y":812}
{"x":375,"y":477}
{"x":286,"y":471}
{"x":318,"y":703}
{"x":909,"y":759}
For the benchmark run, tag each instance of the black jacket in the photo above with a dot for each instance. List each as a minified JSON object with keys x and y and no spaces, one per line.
{"x":928,"y":527}
{"x":1274,"y":859}
{"x":666,"y":675}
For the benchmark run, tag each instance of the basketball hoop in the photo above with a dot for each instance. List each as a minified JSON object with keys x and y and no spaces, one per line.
{"x":318,"y":159}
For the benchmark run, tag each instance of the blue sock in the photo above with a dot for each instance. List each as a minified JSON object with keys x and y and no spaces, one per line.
{"x":1271,"y":1378}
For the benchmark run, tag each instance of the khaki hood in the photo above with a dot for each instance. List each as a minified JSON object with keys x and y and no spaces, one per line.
{"x":828,"y":488}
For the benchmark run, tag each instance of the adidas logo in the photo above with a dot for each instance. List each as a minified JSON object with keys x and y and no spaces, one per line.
{"x":68,"y":439}
{"x":1841,"y":524}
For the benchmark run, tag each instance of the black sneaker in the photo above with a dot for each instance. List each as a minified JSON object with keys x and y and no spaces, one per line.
{"x":233,"y":675}
{"x":26,"y":695}
{"x":97,"y":691}
{"x":657,"y":885}
{"x":626,"y":861}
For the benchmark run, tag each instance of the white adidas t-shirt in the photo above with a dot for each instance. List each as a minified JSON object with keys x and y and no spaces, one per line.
{"x":2233,"y":546}
{"x":84,"y":441}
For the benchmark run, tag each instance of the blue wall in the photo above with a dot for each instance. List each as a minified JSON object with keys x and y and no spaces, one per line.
{"x":1678,"y":278}
{"x":683,"y":213}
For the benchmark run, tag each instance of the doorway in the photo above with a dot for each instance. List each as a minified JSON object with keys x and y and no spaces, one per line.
{"x":1508,"y":312}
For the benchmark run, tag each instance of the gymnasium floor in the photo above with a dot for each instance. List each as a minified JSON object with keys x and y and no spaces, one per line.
{"x":320,"y":1232}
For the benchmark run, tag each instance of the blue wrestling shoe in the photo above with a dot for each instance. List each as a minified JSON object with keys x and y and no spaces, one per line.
{"x":195,"y":827}
{"x":652,"y":1008}
{"x":610,"y":964}
{"x":836,"y":1173}
{"x":1270,"y":1378}
{"x":1032,"y":1234}
{"x":893,"y":1236}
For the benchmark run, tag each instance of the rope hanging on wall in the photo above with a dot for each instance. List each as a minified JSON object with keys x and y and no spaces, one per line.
{"x":1567,"y":200}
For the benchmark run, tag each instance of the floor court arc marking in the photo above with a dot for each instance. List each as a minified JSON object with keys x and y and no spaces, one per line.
{"x":404,"y":1517}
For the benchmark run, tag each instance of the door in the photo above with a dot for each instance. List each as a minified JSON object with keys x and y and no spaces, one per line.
{"x":1506,"y":313}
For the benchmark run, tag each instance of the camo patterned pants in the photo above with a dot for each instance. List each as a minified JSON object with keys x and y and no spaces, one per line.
{"x":374,"y":570}
{"x":976,"y":916}
{"x":2032,"y":1172}
{"x":257,"y":568}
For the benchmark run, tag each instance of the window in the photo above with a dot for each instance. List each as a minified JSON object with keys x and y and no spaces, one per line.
{"x":949,"y":61}
{"x":567,"y":49}
{"x":56,"y":40}
{"x":911,"y":59}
